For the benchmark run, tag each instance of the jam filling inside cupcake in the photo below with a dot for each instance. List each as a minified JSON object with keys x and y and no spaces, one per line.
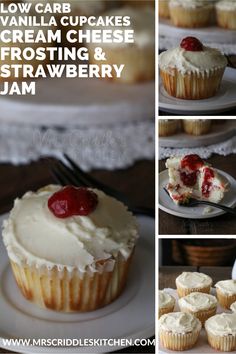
{"x":191,"y":44}
{"x":70,"y":201}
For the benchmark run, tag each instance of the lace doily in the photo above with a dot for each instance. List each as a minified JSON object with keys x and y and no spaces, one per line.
{"x":223,"y":148}
{"x":109,"y":147}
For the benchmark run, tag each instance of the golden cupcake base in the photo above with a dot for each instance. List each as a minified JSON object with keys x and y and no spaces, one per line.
{"x":178,"y":341}
{"x":226,"y":19}
{"x":184,"y":292}
{"x":225,"y":300}
{"x":223,"y":344}
{"x":190,"y":18}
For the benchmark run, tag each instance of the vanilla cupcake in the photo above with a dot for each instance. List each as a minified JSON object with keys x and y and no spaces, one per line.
{"x":164,"y":11}
{"x":179,"y":330}
{"x":70,"y":248}
{"x":201,"y":305}
{"x":191,"y":13}
{"x":221,"y":332}
{"x":166,"y":303}
{"x":226,"y":14}
{"x":226,"y":292}
{"x":190,"y":282}
{"x":192,"y":71}
{"x":197,"y":126}
{"x":168,"y":126}
{"x":138,"y":57}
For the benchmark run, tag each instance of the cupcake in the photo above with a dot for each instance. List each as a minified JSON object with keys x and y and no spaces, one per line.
{"x":201,"y":305}
{"x":226,"y":292}
{"x":191,"y":13}
{"x":70,"y":248}
{"x":164,"y":11}
{"x":166,"y":303}
{"x":226,"y":14}
{"x":168,"y":126}
{"x":192,"y":71}
{"x":190,"y":282}
{"x":138,"y":58}
{"x":221,"y":332}
{"x":197,"y":126}
{"x":179,"y":330}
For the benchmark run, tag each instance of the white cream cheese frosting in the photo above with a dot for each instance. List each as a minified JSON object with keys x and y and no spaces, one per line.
{"x":34,"y":236}
{"x":142,"y":22}
{"x":193,"y":280}
{"x":222,"y":325}
{"x":233,"y":307}
{"x":165,"y":300}
{"x":227,"y":287}
{"x":197,"y":301}
{"x":192,"y":4}
{"x":226,"y":5}
{"x":186,"y":62}
{"x":179,"y":322}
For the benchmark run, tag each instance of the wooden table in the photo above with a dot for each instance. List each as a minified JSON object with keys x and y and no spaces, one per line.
{"x":167,"y":275}
{"x":221,"y":225}
{"x":136,"y":182}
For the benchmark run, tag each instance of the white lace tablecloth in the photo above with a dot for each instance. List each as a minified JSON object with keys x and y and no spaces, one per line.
{"x":223,"y":148}
{"x":109,"y":147}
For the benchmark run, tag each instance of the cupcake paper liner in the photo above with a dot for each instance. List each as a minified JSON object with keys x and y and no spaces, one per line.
{"x":167,"y":128}
{"x":226,"y":19}
{"x":164,"y":11}
{"x":202,"y":315}
{"x":191,"y":18}
{"x":191,"y":86}
{"x":184,"y":292}
{"x":225,"y":300}
{"x":222,"y":343}
{"x":66,"y":291}
{"x":178,"y":341}
{"x":197,"y":127}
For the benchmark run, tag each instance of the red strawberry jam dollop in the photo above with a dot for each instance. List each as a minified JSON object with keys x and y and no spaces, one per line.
{"x":70,"y":201}
{"x":188,"y":179}
{"x":207,"y":181}
{"x":192,"y":162}
{"x":191,"y":44}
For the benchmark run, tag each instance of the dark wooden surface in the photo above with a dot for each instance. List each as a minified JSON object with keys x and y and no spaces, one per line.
{"x":167,"y":275}
{"x":136,"y":182}
{"x":222,"y":225}
{"x":231,"y":112}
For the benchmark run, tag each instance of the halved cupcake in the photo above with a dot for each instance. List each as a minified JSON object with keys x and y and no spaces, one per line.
{"x":192,"y":71}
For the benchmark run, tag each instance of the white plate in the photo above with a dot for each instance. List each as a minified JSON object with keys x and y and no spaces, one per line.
{"x":202,"y":345}
{"x":132,"y":315}
{"x":166,"y":204}
{"x":224,"y":100}
{"x":207,"y":34}
{"x":218,"y":133}
{"x":71,"y":102}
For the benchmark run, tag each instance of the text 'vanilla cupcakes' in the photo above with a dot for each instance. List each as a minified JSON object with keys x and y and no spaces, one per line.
{"x":201,"y":305}
{"x":138,"y":57}
{"x":70,"y":248}
{"x":221,"y":332}
{"x":166,"y":303}
{"x":179,"y":330}
{"x":192,"y":71}
{"x":226,"y":14}
{"x":191,"y":13}
{"x":189,"y":282}
{"x":226,"y":292}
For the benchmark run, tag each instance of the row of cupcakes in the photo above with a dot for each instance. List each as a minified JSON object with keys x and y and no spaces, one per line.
{"x":180,"y":330}
{"x":199,"y":13}
{"x":168,"y":127}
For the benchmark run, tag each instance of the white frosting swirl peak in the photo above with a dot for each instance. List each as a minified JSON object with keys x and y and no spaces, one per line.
{"x":190,"y":280}
{"x":198,"y":301}
{"x":34,"y":236}
{"x":227,"y":287}
{"x":165,"y":299}
{"x":226,"y":5}
{"x":201,"y":62}
{"x":221,"y":325}
{"x":179,"y":322}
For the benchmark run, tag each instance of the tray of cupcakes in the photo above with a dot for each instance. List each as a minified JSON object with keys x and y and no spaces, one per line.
{"x":196,"y":317}
{"x":214,"y":20}
{"x":183,"y":133}
{"x":95,"y":100}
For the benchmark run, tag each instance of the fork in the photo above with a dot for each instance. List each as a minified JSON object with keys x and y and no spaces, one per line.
{"x":193,"y":202}
{"x":70,"y":173}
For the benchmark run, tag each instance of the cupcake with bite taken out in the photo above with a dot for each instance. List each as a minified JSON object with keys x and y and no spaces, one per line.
{"x":70,"y":248}
{"x":192,"y":71}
